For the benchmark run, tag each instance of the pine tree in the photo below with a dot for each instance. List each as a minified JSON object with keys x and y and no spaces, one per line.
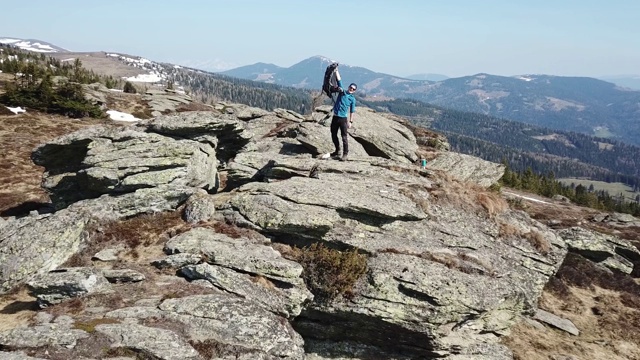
{"x":129,"y":88}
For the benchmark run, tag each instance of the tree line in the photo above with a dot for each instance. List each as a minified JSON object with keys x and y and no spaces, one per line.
{"x":49,"y":85}
{"x":547,"y":185}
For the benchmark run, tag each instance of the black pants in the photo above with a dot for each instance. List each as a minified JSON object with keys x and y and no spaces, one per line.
{"x":340,"y":123}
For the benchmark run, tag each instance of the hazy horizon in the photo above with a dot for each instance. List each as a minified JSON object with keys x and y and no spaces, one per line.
{"x":459,"y":38}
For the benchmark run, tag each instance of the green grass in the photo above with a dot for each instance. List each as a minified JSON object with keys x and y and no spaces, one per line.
{"x":602,"y":132}
{"x":612,"y":188}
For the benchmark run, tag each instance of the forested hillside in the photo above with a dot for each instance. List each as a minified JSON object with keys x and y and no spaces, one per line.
{"x":210,"y":87}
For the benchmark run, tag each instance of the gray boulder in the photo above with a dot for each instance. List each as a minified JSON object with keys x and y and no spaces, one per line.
{"x":468,"y":168}
{"x":199,"y":207}
{"x":285,"y":301}
{"x":159,"y":343}
{"x":38,"y":244}
{"x":236,"y":325}
{"x":16,"y":356}
{"x":379,"y":134}
{"x":607,"y":250}
{"x":436,"y":272}
{"x":102,"y":160}
{"x":42,"y":335}
{"x":239,"y":254}
{"x":63,"y":284}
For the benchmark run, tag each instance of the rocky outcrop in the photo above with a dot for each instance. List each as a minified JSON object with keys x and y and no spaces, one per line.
{"x":105,"y":160}
{"x":617,"y":219}
{"x":165,"y":100}
{"x":606,"y":250}
{"x":38,"y":244}
{"x":62,"y":284}
{"x":468,"y":168}
{"x":378,"y":135}
{"x":231,"y":324}
{"x":442,"y":278}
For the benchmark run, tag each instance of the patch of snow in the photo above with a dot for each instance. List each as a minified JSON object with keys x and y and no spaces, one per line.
{"x":16,"y":110}
{"x":145,"y":78}
{"x":116,"y":90}
{"x":524,"y":78}
{"x":8,"y":41}
{"x":120,"y":116}
{"x":527,"y":198}
{"x":28,"y":45}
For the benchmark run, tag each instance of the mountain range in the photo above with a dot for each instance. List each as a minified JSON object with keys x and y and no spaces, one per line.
{"x":581,"y":104}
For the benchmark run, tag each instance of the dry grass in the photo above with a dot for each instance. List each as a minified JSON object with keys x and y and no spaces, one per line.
{"x":535,"y":238}
{"x":603,"y":305}
{"x":468,"y":196}
{"x":263,"y":281}
{"x":17,"y":308}
{"x":73,"y":306}
{"x":492,"y":202}
{"x":419,"y":195}
{"x":90,"y":325}
{"x":279,"y":128}
{"x":211,"y":349}
{"x":234,"y":231}
{"x":507,"y":230}
{"x":138,"y":234}
{"x":538,"y":241}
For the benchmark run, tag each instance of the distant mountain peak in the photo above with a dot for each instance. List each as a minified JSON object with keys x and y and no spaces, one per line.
{"x":32,"y":45}
{"x":322,"y":59}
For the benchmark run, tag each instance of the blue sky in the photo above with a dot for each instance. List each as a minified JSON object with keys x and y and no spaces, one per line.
{"x":453,"y":37}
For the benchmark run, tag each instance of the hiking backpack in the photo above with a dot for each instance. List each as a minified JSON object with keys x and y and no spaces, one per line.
{"x":330,"y":84}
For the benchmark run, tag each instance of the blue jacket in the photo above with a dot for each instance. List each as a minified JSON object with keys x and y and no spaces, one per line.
{"x":345,"y":103}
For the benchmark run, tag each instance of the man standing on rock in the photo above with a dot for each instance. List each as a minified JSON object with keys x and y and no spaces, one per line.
{"x":345,"y":106}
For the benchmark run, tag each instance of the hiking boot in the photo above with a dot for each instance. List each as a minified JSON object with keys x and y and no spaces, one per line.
{"x":344,"y":157}
{"x":335,"y":154}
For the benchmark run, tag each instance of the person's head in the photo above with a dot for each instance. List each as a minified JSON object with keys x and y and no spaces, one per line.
{"x":352,"y":88}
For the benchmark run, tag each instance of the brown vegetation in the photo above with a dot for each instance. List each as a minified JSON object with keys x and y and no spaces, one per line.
{"x":535,"y":238}
{"x":135,"y":233}
{"x":602,"y":304}
{"x":279,"y":128}
{"x":234,"y":231}
{"x":468,"y":196}
{"x":90,"y":325}
{"x":211,"y":349}
{"x":330,"y":273}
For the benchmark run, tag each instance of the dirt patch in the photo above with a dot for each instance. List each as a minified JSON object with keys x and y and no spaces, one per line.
{"x":607,"y":327}
{"x":17,"y":309}
{"x":100,"y":63}
{"x":19,"y":177}
{"x":603,"y":305}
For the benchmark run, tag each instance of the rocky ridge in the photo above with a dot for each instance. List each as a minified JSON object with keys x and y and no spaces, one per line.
{"x":449,"y":266}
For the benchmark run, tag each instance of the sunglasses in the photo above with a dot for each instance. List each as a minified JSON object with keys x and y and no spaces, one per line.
{"x":352,"y":88}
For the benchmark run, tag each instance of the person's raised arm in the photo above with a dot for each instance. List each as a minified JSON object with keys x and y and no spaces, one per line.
{"x":339,"y":80}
